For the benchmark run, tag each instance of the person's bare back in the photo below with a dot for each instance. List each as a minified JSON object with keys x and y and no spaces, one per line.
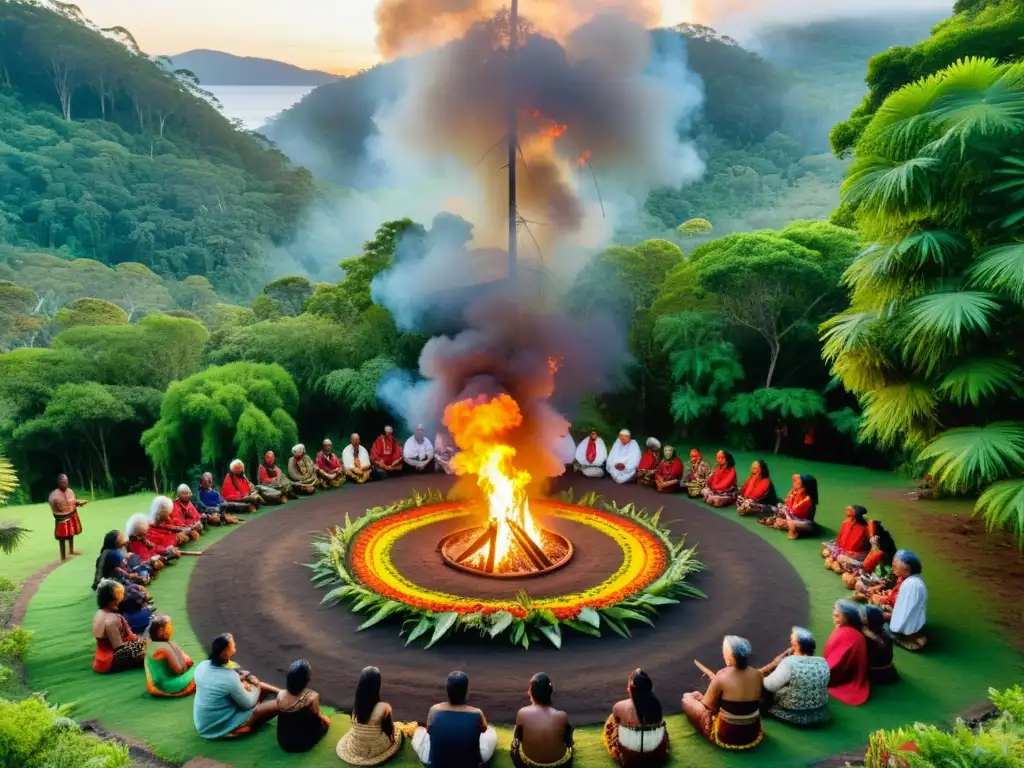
{"x":543,"y":732}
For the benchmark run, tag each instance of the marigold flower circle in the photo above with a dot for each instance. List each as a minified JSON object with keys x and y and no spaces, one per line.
{"x":644,"y":560}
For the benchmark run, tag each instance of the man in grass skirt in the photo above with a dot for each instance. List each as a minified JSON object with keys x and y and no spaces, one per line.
{"x":67,"y":524}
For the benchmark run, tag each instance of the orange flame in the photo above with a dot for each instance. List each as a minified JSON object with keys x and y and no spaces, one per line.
{"x":479,"y":428}
{"x":583,"y":159}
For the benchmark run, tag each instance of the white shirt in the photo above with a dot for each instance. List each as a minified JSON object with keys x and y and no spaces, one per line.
{"x":599,"y":459}
{"x":627,"y":455}
{"x":348,"y":458}
{"x":908,"y":615}
{"x":415,"y":450}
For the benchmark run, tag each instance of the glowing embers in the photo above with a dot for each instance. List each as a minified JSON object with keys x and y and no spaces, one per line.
{"x":475,"y":550}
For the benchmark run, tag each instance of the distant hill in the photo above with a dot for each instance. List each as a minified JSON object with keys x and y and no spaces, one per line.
{"x":219,"y":68}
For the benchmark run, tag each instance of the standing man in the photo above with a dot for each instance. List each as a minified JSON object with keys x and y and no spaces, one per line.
{"x":67,"y":524}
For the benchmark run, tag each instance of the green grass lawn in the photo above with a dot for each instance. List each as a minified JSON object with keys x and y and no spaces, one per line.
{"x":967,"y":654}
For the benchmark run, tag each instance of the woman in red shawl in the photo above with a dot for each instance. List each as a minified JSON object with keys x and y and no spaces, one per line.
{"x":852,"y":539}
{"x":758,"y":492}
{"x":796,"y":513}
{"x":237,"y":488}
{"x":141,"y":545}
{"x":162,"y":535}
{"x":184,"y":513}
{"x":269,"y":475}
{"x":648,"y":465}
{"x":847,"y":655}
{"x":720,"y":490}
{"x":669,"y":474}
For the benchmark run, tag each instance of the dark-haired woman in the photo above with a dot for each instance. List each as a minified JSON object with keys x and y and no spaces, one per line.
{"x":300,"y":726}
{"x":227,"y":702}
{"x":720,"y":490}
{"x":796,"y":513}
{"x":852,"y":541}
{"x":875,"y":564}
{"x":456,"y":733}
{"x":543,"y":735}
{"x":847,"y":655}
{"x":117,"y":647}
{"x":758,"y":492}
{"x":374,"y":737}
{"x":881,"y":669}
{"x":635,"y":733}
{"x":114,"y":563}
{"x":169,"y":670}
{"x":728,"y":713}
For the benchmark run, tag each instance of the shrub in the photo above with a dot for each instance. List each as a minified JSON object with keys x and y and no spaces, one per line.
{"x":34,"y":735}
{"x":14,"y":642}
{"x":7,"y":585}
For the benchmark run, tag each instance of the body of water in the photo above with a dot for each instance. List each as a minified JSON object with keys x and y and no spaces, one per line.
{"x":255,"y":104}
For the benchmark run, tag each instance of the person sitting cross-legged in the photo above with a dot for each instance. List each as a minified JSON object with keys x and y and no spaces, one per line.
{"x":229,"y":702}
{"x":697,"y":473}
{"x":150,"y":554}
{"x":847,"y":655}
{"x":356,"y":461}
{"x":635,"y":734}
{"x":328,"y":466}
{"x":271,"y":476}
{"x":213,"y":509}
{"x":169,"y":670}
{"x":669,"y":473}
{"x":117,"y":647}
{"x":161,"y":533}
{"x":302,"y":471}
{"x":728,"y":714}
{"x":852,"y":541}
{"x":881,"y":669}
{"x":758,"y":492}
{"x":236,"y":489}
{"x":798,"y":682}
{"x":374,"y":737}
{"x":418,"y":452}
{"x":648,"y":466}
{"x":386,"y":455}
{"x":591,"y":455}
{"x":445,"y":450}
{"x":114,"y":563}
{"x":184,"y":514}
{"x":543,"y":735}
{"x":862,"y":573}
{"x":300,"y":724}
{"x":720,"y":490}
{"x":456,"y":734}
{"x":905,"y":605}
{"x":796,"y":513}
{"x":136,"y":607}
{"x":623,"y":458}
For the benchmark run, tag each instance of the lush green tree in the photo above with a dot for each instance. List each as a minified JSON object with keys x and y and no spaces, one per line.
{"x":357,"y":387}
{"x":266,"y":309}
{"x":290,"y":293}
{"x":378,"y":255}
{"x":17,"y":321}
{"x":239,"y":409}
{"x":931,"y":342}
{"x":91,"y":312}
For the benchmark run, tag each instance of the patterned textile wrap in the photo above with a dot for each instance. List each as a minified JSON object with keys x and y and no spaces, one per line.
{"x":638,"y":753}
{"x":519,"y":760}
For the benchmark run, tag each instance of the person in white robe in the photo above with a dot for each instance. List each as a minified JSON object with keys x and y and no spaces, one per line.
{"x":623,"y":458}
{"x":355,"y":460}
{"x":444,"y":452}
{"x":418,"y":451}
{"x":565,"y":450}
{"x":591,"y":455}
{"x":907,"y":620}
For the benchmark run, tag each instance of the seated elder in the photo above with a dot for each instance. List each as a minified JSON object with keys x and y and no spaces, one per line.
{"x":591,"y":455}
{"x":720,"y":490}
{"x":796,"y":513}
{"x":798,"y":682}
{"x":881,"y":669}
{"x":373,"y":737}
{"x":228,"y":702}
{"x":161,"y":533}
{"x":728,"y":713}
{"x":444,"y":451}
{"x":697,"y":473}
{"x":169,"y":670}
{"x":852,"y":541}
{"x":117,"y":647}
{"x":300,"y":725}
{"x":328,"y":466}
{"x":623,"y":458}
{"x":114,"y":563}
{"x":456,"y":734}
{"x":871,"y":567}
{"x":669,"y":473}
{"x":418,"y":452}
{"x":847,"y":655}
{"x":135,"y":607}
{"x":905,"y":605}
{"x":635,"y":734}
{"x":271,"y":476}
{"x":386,"y":455}
{"x":302,"y":471}
{"x":543,"y":735}
{"x":184,"y":514}
{"x":758,"y":492}
{"x":139,"y":544}
{"x":238,"y":491}
{"x":355,"y":460}
{"x":211,"y":505}
{"x":648,"y":466}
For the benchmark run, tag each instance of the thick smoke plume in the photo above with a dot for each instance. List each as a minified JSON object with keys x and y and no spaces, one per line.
{"x":742,"y":18}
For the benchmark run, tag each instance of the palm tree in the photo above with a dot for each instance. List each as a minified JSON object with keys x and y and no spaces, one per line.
{"x":11,"y":533}
{"x":932,"y":342}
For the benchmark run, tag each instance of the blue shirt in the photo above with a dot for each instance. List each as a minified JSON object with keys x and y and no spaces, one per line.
{"x":210,"y":498}
{"x":222,"y":703}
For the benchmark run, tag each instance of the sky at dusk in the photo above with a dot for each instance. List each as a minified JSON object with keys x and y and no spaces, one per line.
{"x":339,"y":35}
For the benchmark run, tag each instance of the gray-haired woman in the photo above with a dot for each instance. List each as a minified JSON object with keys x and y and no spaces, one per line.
{"x":798,"y":682}
{"x":728,"y":713}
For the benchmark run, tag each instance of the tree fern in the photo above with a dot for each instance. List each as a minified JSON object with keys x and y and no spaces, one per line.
{"x":1002,"y":507}
{"x":978,"y":379}
{"x":971,"y":457}
{"x":1001,"y":269}
{"x":899,"y":413}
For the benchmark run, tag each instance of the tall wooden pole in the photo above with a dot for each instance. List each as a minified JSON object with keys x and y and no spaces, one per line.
{"x":513,"y":143}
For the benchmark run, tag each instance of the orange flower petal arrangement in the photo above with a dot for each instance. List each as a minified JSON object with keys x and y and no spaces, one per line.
{"x":355,"y":564}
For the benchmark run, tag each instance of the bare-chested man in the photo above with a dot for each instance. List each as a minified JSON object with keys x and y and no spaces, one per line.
{"x":67,"y":524}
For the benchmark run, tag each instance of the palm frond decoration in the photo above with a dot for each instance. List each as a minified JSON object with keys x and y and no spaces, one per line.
{"x":1002,"y":507}
{"x":977,"y":379}
{"x":967,"y":458}
{"x":8,"y":479}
